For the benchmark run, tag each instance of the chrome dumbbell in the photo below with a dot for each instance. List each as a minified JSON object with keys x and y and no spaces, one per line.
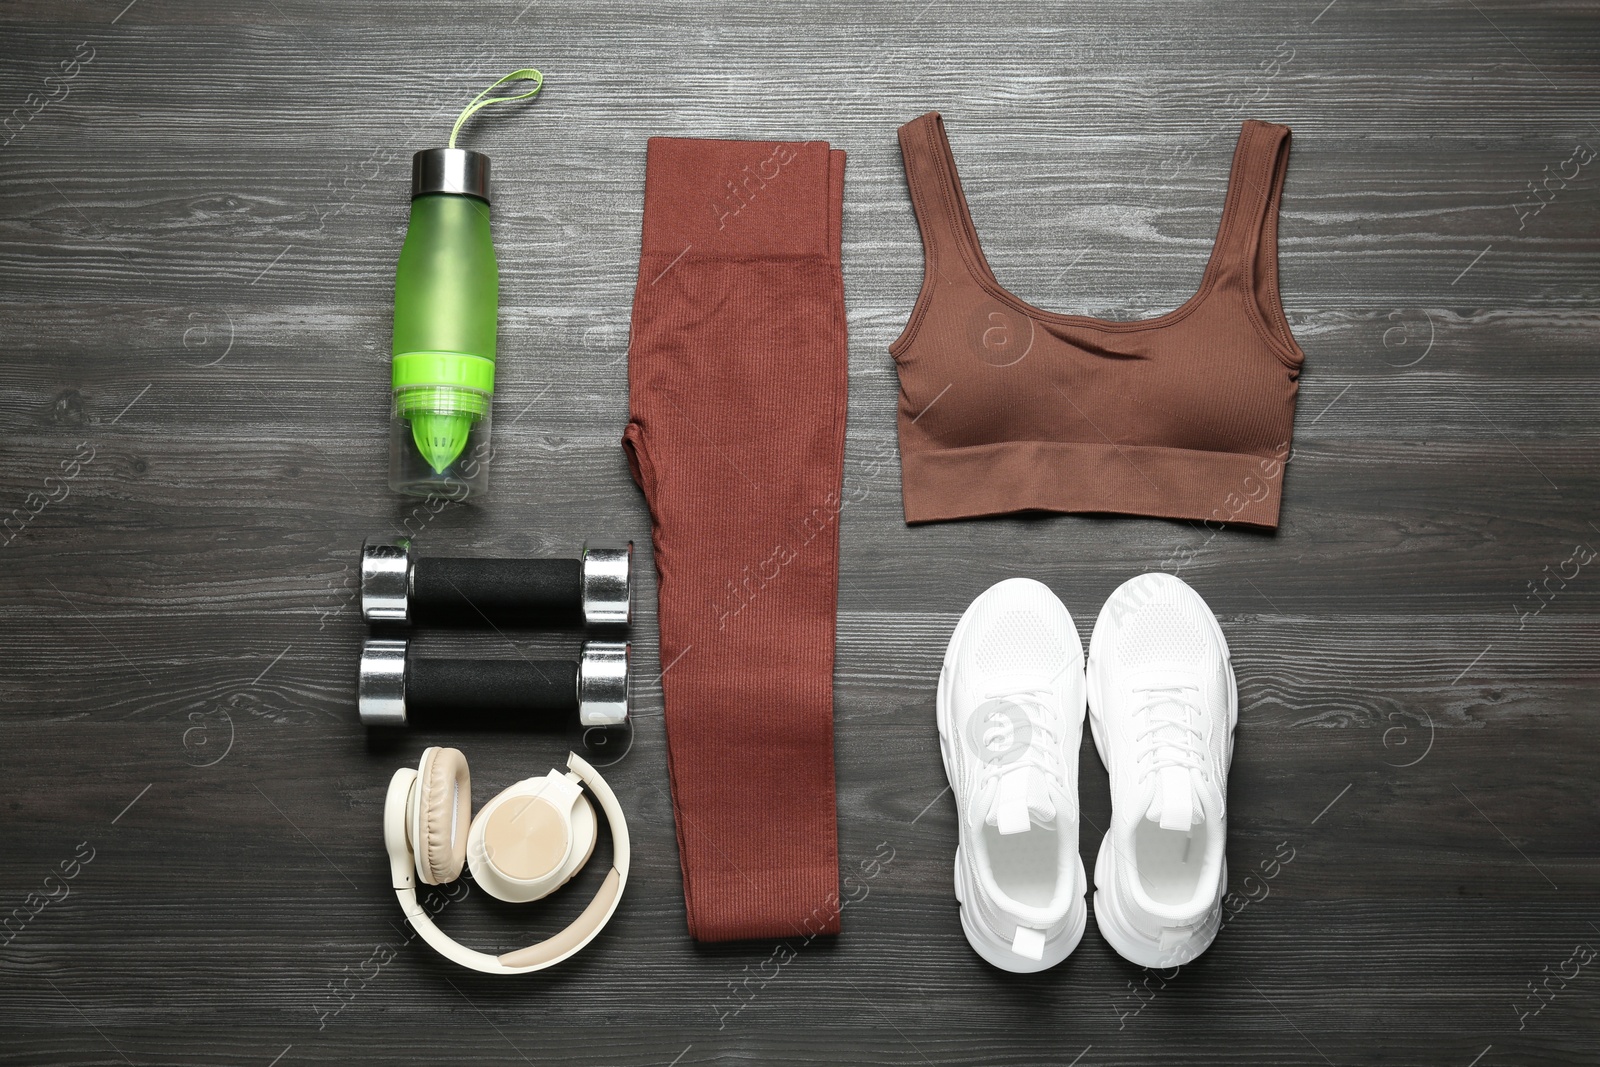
{"x":399,"y":588}
{"x":396,"y":688}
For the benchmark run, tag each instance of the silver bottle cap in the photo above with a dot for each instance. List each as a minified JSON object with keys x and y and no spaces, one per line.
{"x":450,"y":170}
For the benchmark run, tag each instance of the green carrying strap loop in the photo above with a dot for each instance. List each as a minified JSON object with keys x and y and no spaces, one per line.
{"x":478,"y":102}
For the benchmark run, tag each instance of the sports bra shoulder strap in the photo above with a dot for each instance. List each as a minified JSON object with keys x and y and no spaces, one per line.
{"x":1250,"y":219}
{"x":949,"y":240}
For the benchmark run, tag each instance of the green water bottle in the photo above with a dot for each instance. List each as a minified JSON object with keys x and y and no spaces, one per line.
{"x":446,"y":302}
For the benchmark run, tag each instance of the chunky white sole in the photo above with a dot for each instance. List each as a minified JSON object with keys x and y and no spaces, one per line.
{"x":999,"y":953}
{"x":1130,"y":944}
{"x":1135,"y":947}
{"x":991,"y":948}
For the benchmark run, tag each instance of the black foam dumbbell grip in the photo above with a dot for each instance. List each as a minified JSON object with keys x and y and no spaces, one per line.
{"x":547,"y":592}
{"x":521,"y":692}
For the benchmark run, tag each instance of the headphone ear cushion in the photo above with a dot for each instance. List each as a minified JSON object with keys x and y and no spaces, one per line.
{"x":444,"y":799}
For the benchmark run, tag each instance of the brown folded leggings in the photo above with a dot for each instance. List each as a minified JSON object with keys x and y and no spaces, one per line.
{"x":737,"y":386}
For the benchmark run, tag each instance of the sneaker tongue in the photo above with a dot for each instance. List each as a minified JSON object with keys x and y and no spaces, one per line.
{"x":1022,"y":800}
{"x":1176,"y":802}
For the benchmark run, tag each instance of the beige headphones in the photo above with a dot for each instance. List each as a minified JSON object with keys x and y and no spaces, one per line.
{"x":525,"y":844}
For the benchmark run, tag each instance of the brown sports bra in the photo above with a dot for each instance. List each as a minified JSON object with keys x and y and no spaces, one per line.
{"x":1005,"y":407}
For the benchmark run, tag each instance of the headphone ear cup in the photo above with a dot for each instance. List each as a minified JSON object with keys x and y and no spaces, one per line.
{"x":444,"y":811}
{"x":531,"y":839}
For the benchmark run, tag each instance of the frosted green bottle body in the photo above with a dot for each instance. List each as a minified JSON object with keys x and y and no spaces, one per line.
{"x":446,"y":302}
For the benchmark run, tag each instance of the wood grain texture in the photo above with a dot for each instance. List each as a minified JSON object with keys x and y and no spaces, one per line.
{"x":198,"y":233}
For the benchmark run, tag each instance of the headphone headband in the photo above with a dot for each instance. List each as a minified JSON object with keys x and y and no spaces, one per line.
{"x":536,"y":957}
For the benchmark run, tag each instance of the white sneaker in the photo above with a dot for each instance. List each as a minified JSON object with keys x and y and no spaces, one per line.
{"x":1162,"y":705}
{"x":1011,"y":705}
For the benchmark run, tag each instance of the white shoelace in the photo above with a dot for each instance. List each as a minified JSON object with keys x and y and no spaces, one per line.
{"x":1170,"y":724}
{"x":1042,"y":750}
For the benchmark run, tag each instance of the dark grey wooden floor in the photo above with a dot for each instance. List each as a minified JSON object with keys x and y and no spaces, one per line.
{"x":198,"y":231}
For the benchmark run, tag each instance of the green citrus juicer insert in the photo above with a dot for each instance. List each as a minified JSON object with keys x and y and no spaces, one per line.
{"x":446,"y":301}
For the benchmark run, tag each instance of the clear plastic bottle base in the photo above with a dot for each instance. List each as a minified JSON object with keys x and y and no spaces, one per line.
{"x":460,"y":478}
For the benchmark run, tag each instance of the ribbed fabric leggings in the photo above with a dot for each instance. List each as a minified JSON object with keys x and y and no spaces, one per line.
{"x":737,"y":387}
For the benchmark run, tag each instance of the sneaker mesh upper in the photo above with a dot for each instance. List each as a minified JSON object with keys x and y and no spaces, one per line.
{"x":1166,"y":632}
{"x":1020,"y":641}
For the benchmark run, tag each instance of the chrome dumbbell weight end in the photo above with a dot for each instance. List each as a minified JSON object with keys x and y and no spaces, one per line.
{"x":603,"y":674}
{"x":607,"y":577}
{"x":386,"y":580}
{"x":381,"y":682}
